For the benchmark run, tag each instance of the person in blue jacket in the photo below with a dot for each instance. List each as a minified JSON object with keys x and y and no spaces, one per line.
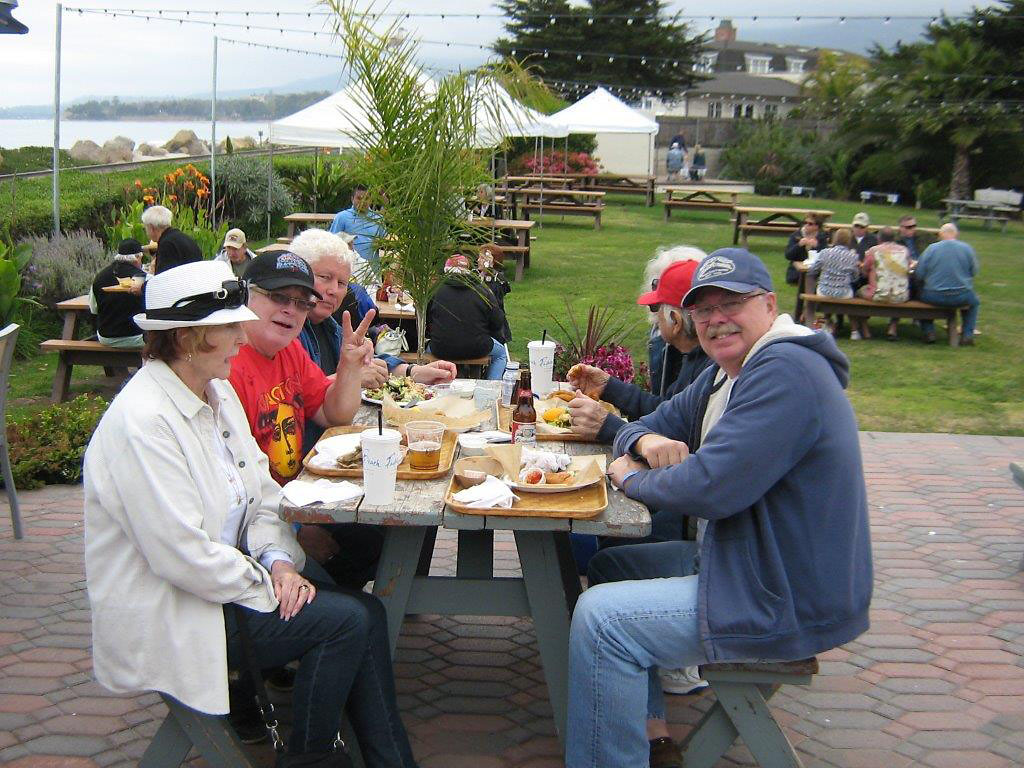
{"x":365,"y":227}
{"x":764,"y":450}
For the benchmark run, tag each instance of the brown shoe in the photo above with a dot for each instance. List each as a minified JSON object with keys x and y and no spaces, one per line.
{"x":665,"y":753}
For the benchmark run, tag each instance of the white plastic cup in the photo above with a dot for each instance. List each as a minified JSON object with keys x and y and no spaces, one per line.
{"x":381,"y":457}
{"x":542,"y":366}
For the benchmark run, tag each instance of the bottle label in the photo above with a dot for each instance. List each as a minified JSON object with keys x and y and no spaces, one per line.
{"x":524,"y":433}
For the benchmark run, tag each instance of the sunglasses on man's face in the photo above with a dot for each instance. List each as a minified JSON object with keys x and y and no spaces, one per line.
{"x":909,"y":226}
{"x":282,"y":299}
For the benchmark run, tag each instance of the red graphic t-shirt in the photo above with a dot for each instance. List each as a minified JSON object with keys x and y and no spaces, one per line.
{"x":278,"y":396}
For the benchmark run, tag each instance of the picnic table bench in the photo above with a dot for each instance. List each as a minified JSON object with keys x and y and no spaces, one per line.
{"x":700,"y":199}
{"x":866,"y":196}
{"x":571,"y":202}
{"x":547,"y":590}
{"x":560,"y":181}
{"x":73,"y":351}
{"x":759,"y":220}
{"x":303,"y":220}
{"x":796,"y":190}
{"x":981,"y":210}
{"x":914,"y":310}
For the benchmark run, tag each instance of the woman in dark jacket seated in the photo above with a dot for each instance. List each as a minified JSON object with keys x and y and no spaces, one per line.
{"x":465,"y":320}
{"x":489,"y":263}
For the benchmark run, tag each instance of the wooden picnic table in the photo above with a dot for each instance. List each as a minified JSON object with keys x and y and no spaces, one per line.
{"x":572,"y":202}
{"x":769,"y":221}
{"x":516,"y":232}
{"x":637,"y":184}
{"x":984,"y":210}
{"x":700,"y":198}
{"x":547,"y":591}
{"x":518,"y":182}
{"x":304,"y":220}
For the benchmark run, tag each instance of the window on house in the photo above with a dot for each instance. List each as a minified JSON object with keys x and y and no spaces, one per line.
{"x":748,"y":111}
{"x":795,"y":65}
{"x":771,"y":111}
{"x":737,"y":111}
{"x":707,"y":62}
{"x":758,"y":65}
{"x":715,"y":109}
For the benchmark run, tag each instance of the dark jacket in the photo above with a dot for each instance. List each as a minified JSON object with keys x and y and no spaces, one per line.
{"x":116,"y":310}
{"x":785,"y":562}
{"x":797,"y":252}
{"x":495,"y":280}
{"x":463,"y":318}
{"x":868,"y":241}
{"x":174,"y":249}
{"x":635,"y":402}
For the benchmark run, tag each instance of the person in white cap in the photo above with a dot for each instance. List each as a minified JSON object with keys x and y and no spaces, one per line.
{"x":181,"y":523}
{"x":236,"y":252}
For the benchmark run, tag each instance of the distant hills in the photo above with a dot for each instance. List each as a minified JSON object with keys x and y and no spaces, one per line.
{"x":251,"y":108}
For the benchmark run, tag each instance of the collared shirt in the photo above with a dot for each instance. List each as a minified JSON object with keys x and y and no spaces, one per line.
{"x":364,"y":226}
{"x":156,"y":507}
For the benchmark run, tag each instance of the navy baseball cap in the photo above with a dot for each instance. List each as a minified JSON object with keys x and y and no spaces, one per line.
{"x":731,"y":269}
{"x":280,"y":270}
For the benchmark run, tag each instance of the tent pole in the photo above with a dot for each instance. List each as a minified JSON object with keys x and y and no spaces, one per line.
{"x":540,"y":211}
{"x":270,"y":170}
{"x":316,"y":177}
{"x":213,"y":139}
{"x":56,"y":125}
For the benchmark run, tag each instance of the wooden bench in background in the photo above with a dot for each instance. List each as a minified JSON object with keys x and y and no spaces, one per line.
{"x":86,"y":352}
{"x":741,"y":710}
{"x":796,"y":190}
{"x":915,"y":310}
{"x":699,"y":199}
{"x":759,"y":220}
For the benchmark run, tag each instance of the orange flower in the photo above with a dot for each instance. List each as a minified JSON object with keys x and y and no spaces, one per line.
{"x":189,"y":185}
{"x":174,"y":198}
{"x":201,"y":193}
{"x":138,"y":184}
{"x":147,"y":198}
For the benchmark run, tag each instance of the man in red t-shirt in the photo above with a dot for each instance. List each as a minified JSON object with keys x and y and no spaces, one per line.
{"x":279,"y":386}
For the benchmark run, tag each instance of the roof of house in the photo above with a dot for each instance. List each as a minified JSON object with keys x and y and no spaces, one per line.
{"x":742,"y":84}
{"x":732,"y":55}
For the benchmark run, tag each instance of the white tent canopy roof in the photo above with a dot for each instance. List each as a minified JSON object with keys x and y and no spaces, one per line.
{"x":332,"y":121}
{"x":600,"y":112}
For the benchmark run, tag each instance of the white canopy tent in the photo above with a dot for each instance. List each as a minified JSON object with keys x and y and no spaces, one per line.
{"x":600,"y":112}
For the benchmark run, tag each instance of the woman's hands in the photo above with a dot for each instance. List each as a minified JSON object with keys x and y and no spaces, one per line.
{"x":290,"y":588}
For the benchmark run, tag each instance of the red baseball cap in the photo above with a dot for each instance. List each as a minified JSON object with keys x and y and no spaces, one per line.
{"x":672,"y":285}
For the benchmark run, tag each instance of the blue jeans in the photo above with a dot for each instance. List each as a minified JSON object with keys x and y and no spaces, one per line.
{"x":641,"y":615}
{"x":341,"y":640}
{"x":953,"y":299}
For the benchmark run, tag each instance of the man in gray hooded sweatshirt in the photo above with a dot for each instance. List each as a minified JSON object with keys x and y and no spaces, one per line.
{"x":763,"y":450}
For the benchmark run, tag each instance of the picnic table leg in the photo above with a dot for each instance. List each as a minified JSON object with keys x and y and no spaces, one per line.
{"x":709,"y":739}
{"x":402,"y":547}
{"x":169,"y":747}
{"x":748,"y":709}
{"x":736,"y":230}
{"x":523,"y":238}
{"x":542,"y":575}
{"x":212,"y":736}
{"x":475,"y":557}
{"x":597,"y":220}
{"x":61,"y":379}
{"x":954,"y":337}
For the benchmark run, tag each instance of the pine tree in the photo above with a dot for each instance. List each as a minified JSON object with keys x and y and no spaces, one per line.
{"x":632,"y":47}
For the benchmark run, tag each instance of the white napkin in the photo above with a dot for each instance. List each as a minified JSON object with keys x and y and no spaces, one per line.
{"x":302,"y":492}
{"x":495,"y":436}
{"x":338,"y":445}
{"x":492,"y":492}
{"x":405,"y":307}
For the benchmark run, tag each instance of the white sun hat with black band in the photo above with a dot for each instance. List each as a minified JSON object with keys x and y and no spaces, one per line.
{"x":195,"y":294}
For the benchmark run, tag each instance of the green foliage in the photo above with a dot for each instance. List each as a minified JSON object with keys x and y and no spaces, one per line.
{"x":229,"y":148}
{"x":881,"y":171}
{"x":579,"y":30}
{"x":63,"y":267}
{"x":196,"y":224}
{"x":47,"y":446}
{"x":242,"y":192}
{"x":772,"y":153}
{"x":832,"y":86}
{"x":125,"y":223}
{"x":929,"y":193}
{"x":26,"y":159}
{"x":323,"y":185}
{"x":837,"y":166}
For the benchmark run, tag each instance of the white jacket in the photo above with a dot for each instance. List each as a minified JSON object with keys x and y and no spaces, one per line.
{"x":155,"y":503}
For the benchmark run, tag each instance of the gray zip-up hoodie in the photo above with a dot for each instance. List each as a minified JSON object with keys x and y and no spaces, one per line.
{"x":785,"y":560}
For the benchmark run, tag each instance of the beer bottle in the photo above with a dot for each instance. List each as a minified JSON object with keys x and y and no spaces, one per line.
{"x":524,"y":417}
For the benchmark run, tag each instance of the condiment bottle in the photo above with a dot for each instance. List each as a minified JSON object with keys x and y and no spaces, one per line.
{"x":524,"y":417}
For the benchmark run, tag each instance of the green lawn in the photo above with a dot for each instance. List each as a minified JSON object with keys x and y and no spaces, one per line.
{"x":905,"y":387}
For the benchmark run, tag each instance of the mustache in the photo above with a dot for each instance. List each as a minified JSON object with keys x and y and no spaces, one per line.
{"x":724,"y":329}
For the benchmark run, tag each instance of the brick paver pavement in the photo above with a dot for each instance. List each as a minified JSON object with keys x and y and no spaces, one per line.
{"x":938,"y":681}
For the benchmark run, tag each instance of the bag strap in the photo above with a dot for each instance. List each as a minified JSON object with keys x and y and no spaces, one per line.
{"x":252,"y":669}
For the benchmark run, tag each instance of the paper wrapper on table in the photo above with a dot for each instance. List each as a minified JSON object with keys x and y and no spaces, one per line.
{"x":456,"y":413}
{"x":587,"y":470}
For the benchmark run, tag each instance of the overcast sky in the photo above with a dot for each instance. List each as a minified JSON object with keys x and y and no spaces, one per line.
{"x":132,"y":57}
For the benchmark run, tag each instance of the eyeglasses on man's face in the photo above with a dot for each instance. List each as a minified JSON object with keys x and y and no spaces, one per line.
{"x":729,"y":308}
{"x":282,"y":299}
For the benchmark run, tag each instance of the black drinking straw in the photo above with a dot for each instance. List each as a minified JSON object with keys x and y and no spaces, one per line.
{"x":380,"y":420}
{"x":544,"y":337}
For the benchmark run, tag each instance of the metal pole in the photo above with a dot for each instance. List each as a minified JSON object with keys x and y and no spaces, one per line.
{"x":56,"y":126}
{"x":213,"y":139}
{"x":270,"y":172}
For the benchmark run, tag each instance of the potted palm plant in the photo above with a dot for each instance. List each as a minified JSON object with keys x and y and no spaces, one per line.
{"x":415,"y":138}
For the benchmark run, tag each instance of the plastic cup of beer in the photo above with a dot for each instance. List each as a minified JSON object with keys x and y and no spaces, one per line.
{"x":542,"y":366}
{"x":424,"y":439}
{"x":381,"y":457}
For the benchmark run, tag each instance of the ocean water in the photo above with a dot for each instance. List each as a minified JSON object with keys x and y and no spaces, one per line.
{"x":24,"y":133}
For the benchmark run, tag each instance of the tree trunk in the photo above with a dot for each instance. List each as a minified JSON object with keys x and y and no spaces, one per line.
{"x":960,"y":182}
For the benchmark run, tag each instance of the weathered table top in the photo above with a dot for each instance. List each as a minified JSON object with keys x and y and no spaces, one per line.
{"x":421,"y":503}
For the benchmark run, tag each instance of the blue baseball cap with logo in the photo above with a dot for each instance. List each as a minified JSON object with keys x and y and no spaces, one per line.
{"x":731,"y":269}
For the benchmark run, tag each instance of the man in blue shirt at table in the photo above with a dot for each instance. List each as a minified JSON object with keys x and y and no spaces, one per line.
{"x":946,"y":273}
{"x":363,"y":224}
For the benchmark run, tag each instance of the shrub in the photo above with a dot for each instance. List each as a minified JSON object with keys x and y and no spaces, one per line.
{"x":882,"y":171}
{"x":770,"y":153}
{"x":323,"y":186}
{"x":242,"y":192}
{"x":929,"y":193}
{"x":63,"y":267}
{"x":26,"y":159}
{"x":555,"y":163}
{"x":47,"y":446}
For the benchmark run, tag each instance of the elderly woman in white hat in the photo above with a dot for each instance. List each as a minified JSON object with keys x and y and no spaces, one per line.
{"x":181,"y":523}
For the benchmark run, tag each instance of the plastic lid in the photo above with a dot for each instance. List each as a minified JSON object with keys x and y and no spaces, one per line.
{"x":512,"y":365}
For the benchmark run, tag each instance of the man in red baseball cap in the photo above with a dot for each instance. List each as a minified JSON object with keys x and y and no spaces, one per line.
{"x":665,"y":298}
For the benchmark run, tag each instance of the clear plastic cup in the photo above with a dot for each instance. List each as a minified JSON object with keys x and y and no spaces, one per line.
{"x":542,"y":366}
{"x":381,"y":457}
{"x":485,"y":395}
{"x":424,"y":438}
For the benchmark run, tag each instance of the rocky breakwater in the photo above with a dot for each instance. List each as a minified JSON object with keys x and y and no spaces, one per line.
{"x":121,"y":149}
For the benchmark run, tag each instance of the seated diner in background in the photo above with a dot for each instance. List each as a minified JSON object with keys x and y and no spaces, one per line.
{"x":235,"y":252}
{"x":489,"y":264}
{"x":946,"y":273}
{"x":838,"y":270}
{"x":184,"y":544}
{"x":781,"y":569}
{"x":464,"y":319}
{"x":810,"y":237}
{"x":173,"y":247}
{"x":114,"y":311}
{"x":886,"y":269}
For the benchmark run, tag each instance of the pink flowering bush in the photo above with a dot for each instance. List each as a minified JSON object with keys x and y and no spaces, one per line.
{"x":555,"y":163}
{"x":594,"y":343}
{"x":614,"y":359}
